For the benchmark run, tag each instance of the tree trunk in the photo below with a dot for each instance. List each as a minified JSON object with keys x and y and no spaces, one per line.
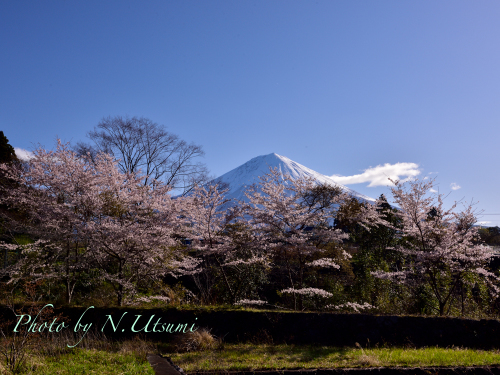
{"x":68,"y":289}
{"x":233,"y":297}
{"x":120,"y":286}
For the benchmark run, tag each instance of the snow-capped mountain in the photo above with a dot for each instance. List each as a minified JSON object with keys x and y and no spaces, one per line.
{"x":247,"y":174}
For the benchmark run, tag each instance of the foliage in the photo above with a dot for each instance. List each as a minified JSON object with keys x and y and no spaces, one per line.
{"x":373,"y":253}
{"x":291,"y":221}
{"x":86,"y":215}
{"x":94,"y":231}
{"x":490,"y":236}
{"x":7,"y":156}
{"x":438,"y":245}
{"x":225,"y":244}
{"x":7,"y":152}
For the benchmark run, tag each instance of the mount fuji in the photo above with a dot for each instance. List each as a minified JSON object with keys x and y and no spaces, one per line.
{"x":238,"y":179}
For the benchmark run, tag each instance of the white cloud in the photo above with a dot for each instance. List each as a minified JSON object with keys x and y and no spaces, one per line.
{"x":433,"y":190}
{"x":483,"y":222}
{"x":455,"y":186}
{"x":23,"y":154}
{"x":379,"y":175}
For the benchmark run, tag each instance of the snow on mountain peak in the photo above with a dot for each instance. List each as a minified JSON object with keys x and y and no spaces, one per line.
{"x":248,"y":173}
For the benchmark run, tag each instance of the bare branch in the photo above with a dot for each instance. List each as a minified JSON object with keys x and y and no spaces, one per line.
{"x":142,"y":146}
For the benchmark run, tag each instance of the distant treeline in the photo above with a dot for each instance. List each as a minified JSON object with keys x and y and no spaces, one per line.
{"x":82,"y":228}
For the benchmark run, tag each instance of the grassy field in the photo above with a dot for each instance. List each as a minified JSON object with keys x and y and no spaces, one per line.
{"x":200,"y":351}
{"x":253,"y":357}
{"x":85,"y":361}
{"x":96,"y":355}
{"x":256,"y":357}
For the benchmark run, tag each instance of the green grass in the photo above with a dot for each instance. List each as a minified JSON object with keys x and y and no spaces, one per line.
{"x":87,"y":361}
{"x":129,"y":358}
{"x":257,"y":357}
{"x":96,"y":355}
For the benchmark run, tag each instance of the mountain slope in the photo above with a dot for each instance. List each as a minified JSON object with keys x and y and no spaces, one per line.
{"x":247,"y":174}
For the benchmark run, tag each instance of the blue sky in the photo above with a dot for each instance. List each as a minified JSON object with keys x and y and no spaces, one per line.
{"x":338,"y":86}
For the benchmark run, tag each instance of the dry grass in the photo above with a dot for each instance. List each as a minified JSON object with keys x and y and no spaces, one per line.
{"x":366,"y":360}
{"x":200,"y":339}
{"x":138,"y":347}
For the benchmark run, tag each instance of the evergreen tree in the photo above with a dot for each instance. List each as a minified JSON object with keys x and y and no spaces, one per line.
{"x":7,"y":153}
{"x":374,"y":254}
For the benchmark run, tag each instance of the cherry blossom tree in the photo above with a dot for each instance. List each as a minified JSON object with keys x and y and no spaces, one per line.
{"x":131,"y":235}
{"x":89,"y":215}
{"x":219,"y":233}
{"x":440,"y":245}
{"x":294,"y":226}
{"x":51,"y":196}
